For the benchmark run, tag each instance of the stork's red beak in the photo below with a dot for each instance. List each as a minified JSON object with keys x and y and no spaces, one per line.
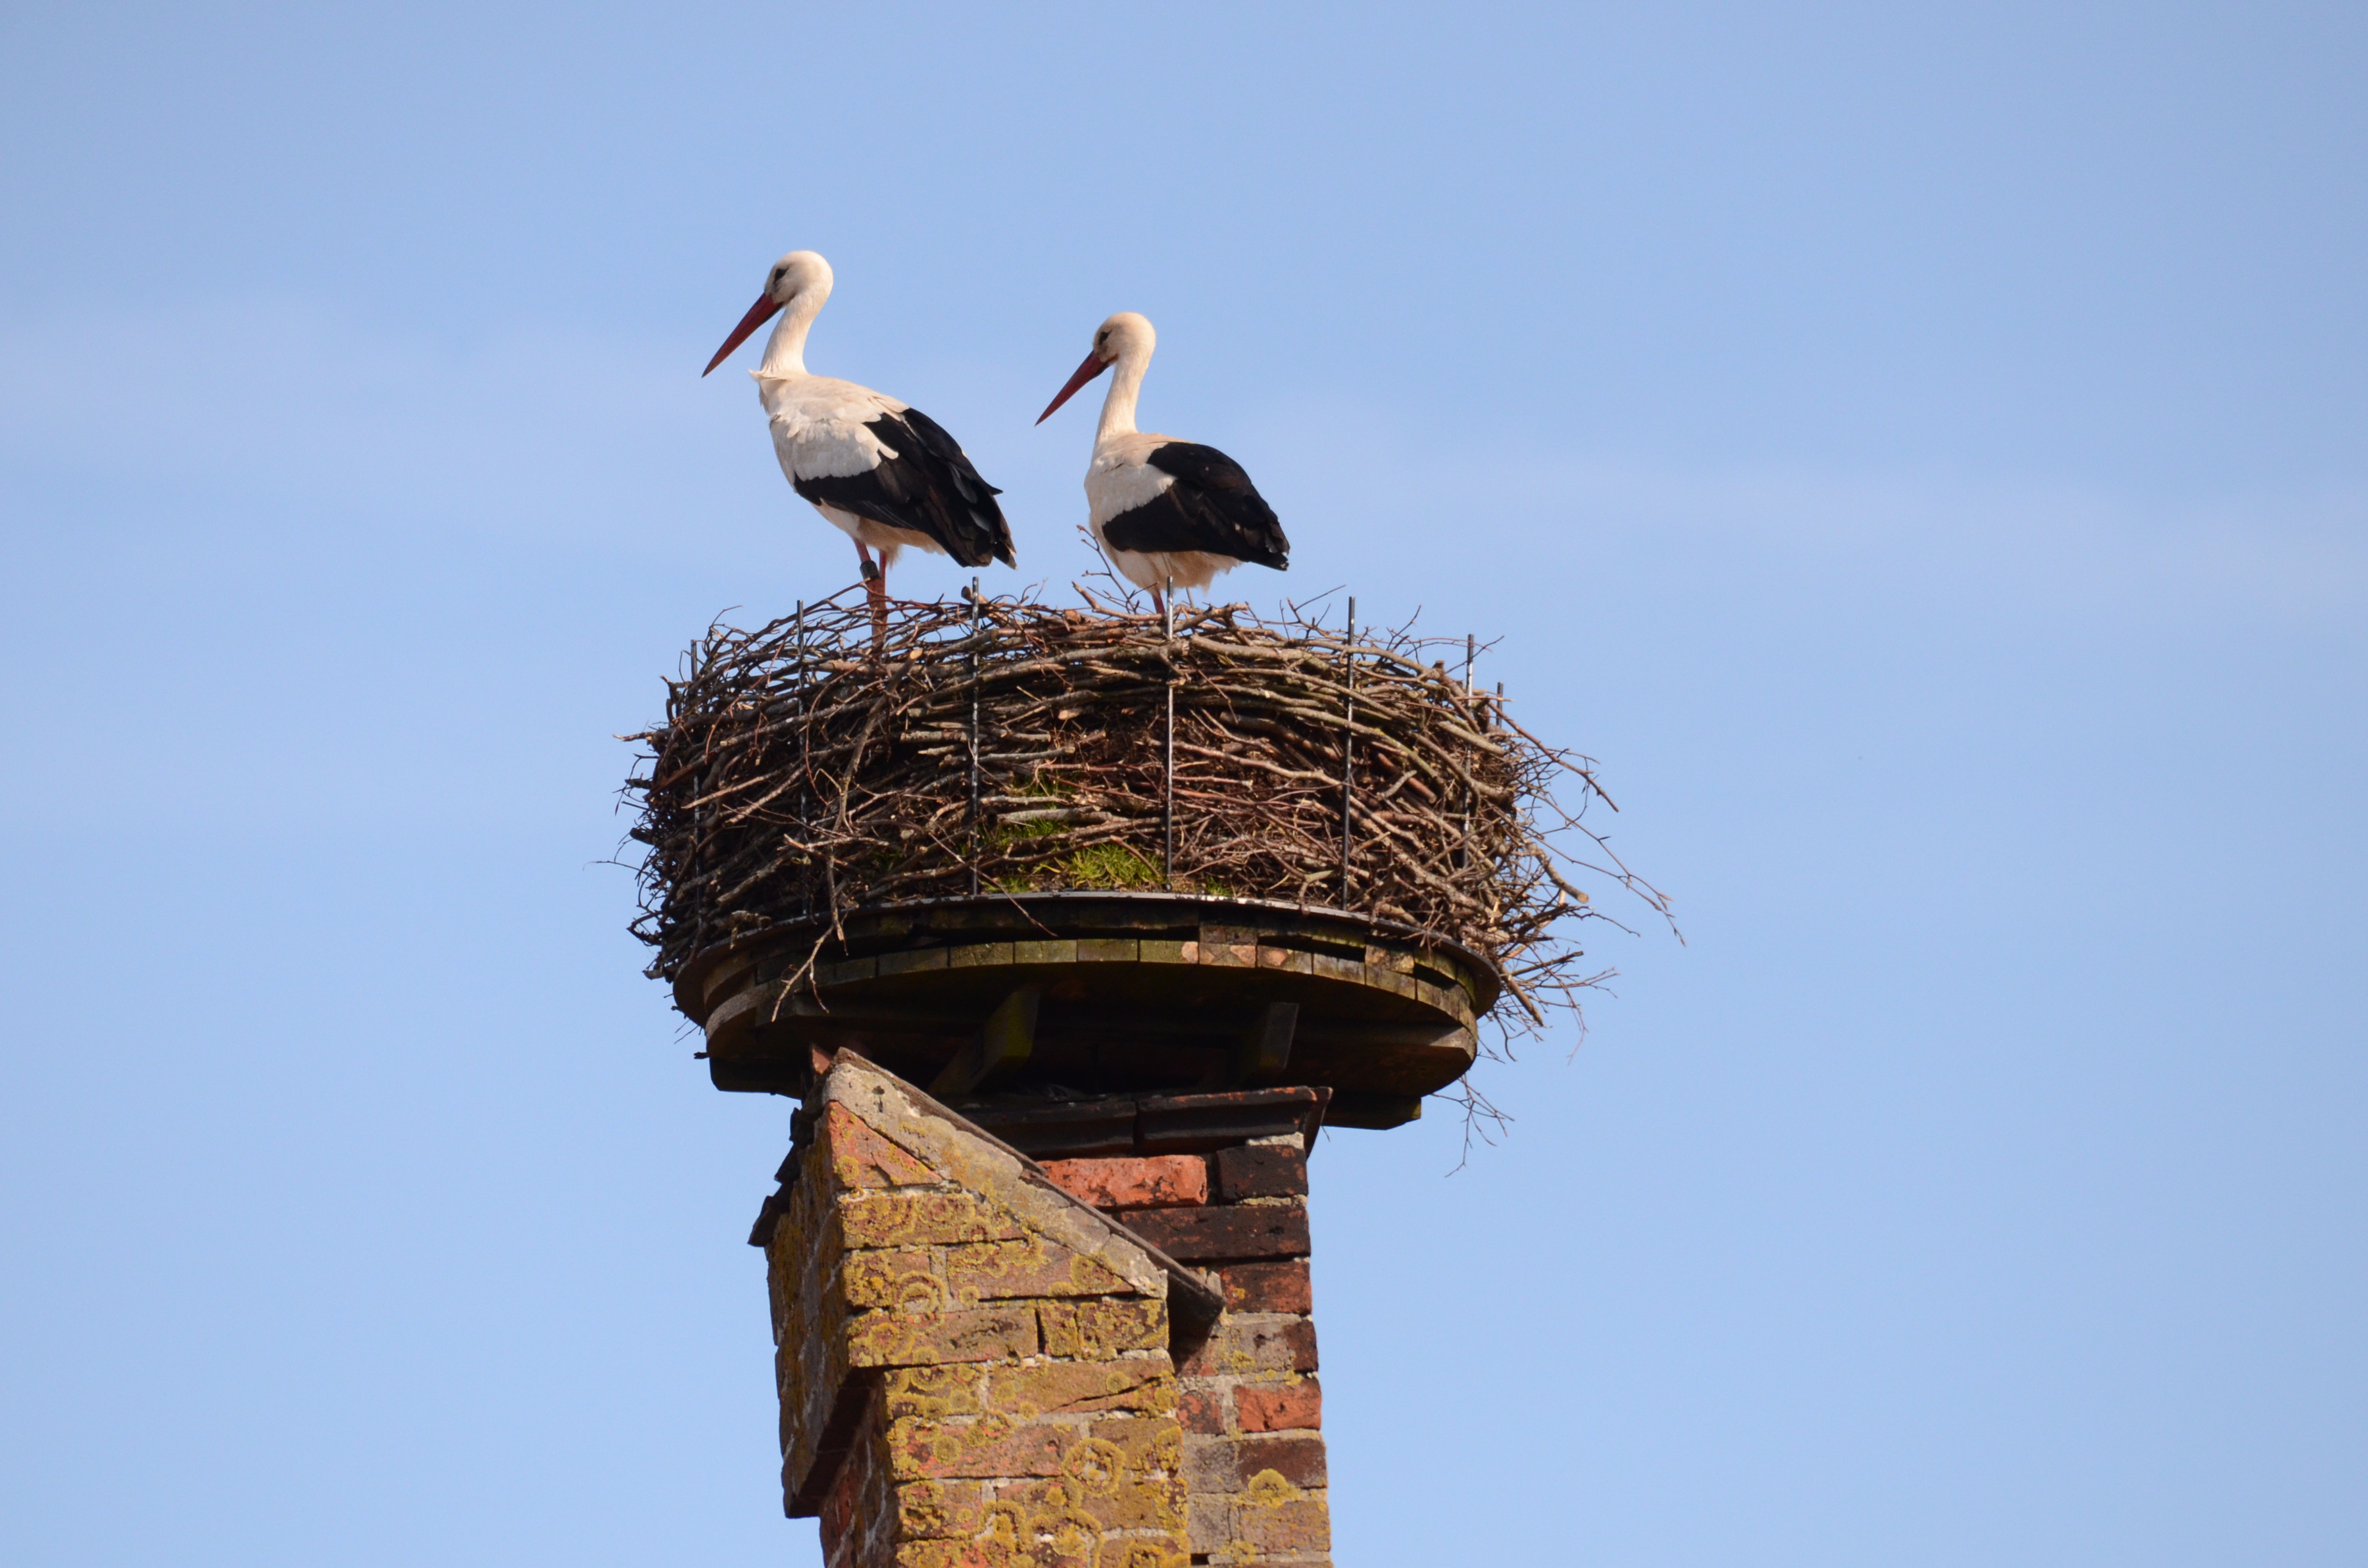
{"x":1094,"y":366}
{"x":758,"y":314}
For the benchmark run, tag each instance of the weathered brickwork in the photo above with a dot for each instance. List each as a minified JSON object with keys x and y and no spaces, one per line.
{"x":1154,"y":1181}
{"x":1252,"y":1443}
{"x":1248,"y":1402}
{"x":975,"y":1367}
{"x":986,"y":1363}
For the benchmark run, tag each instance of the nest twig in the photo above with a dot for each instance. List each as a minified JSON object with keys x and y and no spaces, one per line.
{"x":807,"y":769}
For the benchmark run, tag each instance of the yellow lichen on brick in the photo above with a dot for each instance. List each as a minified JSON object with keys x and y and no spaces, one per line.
{"x":955,"y":1554}
{"x":1268,"y":1488}
{"x":933,"y":1392}
{"x":1143,"y":1383}
{"x":976,"y":1334}
{"x":860,"y":1156}
{"x":1029,"y":1267}
{"x":1097,"y":1330}
{"x":923,"y":1219}
{"x":1141,"y":1552}
{"x":1144,"y":1443}
{"x":987,"y":1446}
{"x":940,"y":1510}
{"x":902,"y":1280}
{"x":1006,"y":1351}
{"x":1103,"y":1478}
{"x":1275,"y":1517}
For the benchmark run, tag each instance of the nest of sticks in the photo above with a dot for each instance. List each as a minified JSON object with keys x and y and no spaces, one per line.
{"x":819,"y":763}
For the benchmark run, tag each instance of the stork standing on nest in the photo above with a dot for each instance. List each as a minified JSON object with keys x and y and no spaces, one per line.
{"x":1168,"y":512}
{"x":880,"y":471}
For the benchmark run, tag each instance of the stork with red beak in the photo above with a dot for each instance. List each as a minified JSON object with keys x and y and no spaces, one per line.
{"x":1166,"y":512}
{"x":882,"y":471}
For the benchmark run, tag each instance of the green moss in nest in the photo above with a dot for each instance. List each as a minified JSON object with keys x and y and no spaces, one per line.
{"x":1110,"y":865}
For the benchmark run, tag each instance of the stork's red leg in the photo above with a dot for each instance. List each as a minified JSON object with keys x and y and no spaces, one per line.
{"x":875,"y":588}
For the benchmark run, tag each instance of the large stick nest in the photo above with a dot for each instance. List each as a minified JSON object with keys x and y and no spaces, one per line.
{"x":807,"y":769}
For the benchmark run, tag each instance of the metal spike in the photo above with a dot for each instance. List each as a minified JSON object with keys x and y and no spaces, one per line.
{"x":1348,"y":757}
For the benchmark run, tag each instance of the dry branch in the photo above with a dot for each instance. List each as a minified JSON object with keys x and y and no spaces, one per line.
{"x":801,"y":772}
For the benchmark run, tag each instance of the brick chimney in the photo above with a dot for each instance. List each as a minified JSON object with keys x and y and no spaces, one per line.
{"x":1048,"y":1331}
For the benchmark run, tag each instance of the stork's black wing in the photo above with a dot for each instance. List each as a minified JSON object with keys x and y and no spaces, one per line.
{"x":1212,"y":507}
{"x":929,"y":486}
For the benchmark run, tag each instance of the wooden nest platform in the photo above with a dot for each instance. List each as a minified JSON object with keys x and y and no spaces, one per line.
{"x":1154,"y":835}
{"x":1117,"y":991}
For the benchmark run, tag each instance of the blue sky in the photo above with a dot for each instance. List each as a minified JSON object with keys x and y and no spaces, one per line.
{"x":1920,"y":453}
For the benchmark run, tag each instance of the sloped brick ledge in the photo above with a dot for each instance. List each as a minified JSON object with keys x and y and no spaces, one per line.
{"x":984,"y":1361}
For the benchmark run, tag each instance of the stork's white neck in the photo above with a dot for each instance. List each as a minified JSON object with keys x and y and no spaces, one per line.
{"x":785,"y":351}
{"x":1126,"y":385}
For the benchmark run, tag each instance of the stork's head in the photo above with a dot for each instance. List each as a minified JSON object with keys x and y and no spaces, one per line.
{"x":1125,"y":336}
{"x":801,"y":277}
{"x":798,"y":274}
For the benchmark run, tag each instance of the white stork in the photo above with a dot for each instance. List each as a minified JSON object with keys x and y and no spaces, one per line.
{"x":1166,"y":511}
{"x":882,"y":471}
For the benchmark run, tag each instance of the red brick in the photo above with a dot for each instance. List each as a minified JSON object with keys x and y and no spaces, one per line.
{"x":1132,"y":1503}
{"x":924,"y":1219}
{"x":1280,"y":1407}
{"x":841,"y":1515}
{"x":1142,"y":1442}
{"x":852,"y":1510}
{"x":1298,"y":1459}
{"x":1140,"y":1383}
{"x":1213,"y":1236}
{"x":1291,"y":1525}
{"x":1267,"y":1288}
{"x":989,"y":1446}
{"x":1202,"y":1411}
{"x":984,"y":1333}
{"x":940,"y":1510}
{"x":956,"y":1554}
{"x":1209,"y":1517}
{"x":1159,"y":1181}
{"x":948,"y":1389}
{"x":1262,"y":1170}
{"x":899,"y":1278}
{"x":1096,"y":1331}
{"x":1030,"y":1266}
{"x":860,"y":1156}
{"x":1208,"y":1467}
{"x":1242,"y":1346}
{"x":1274,"y":1464}
{"x":1126,"y":1474}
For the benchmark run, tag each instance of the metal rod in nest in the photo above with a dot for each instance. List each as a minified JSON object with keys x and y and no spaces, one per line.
{"x":1009,"y":744}
{"x":977,"y":618}
{"x":805,"y":744}
{"x":1348,"y":757}
{"x":1471,"y":797}
{"x":1167,"y":786}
